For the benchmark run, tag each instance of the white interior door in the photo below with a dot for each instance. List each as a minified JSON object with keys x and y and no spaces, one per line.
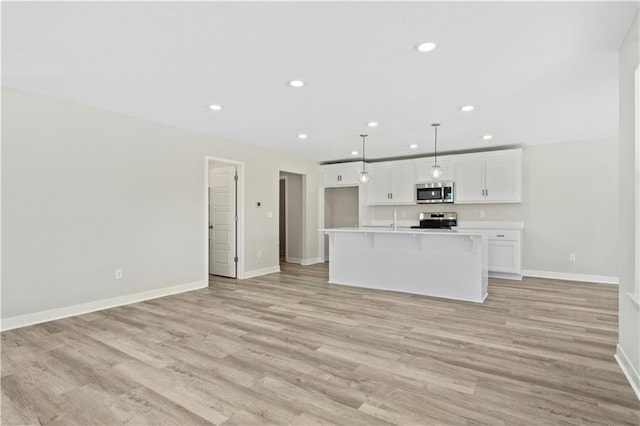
{"x":222,"y":221}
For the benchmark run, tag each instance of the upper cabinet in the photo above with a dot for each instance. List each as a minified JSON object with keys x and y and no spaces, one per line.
{"x":391,"y":183}
{"x":342,"y":174}
{"x":479,"y":177}
{"x":488,"y":177}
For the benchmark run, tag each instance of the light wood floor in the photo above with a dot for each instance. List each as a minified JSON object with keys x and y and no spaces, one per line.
{"x":288,"y":348}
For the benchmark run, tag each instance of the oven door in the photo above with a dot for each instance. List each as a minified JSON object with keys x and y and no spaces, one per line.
{"x":427,"y":195}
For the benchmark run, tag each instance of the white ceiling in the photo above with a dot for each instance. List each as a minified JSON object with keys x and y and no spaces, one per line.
{"x":536,"y":72}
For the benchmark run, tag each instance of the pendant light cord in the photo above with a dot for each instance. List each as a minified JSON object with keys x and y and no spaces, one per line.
{"x":435,"y":155}
{"x":363,"y":164}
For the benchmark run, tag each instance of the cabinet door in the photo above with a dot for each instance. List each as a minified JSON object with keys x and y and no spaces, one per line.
{"x":402,"y":184}
{"x":330,"y":178}
{"x":504,"y":256}
{"x":502,"y":179}
{"x":350,"y":175}
{"x":423,"y":170}
{"x":341,"y":174}
{"x":469,"y":181}
{"x":379,"y":186}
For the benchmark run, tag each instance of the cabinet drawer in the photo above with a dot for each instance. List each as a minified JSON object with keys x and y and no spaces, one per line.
{"x":503,"y":235}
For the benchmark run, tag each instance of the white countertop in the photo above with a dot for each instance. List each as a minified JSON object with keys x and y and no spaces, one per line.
{"x":403,"y":230}
{"x":486,"y":224}
{"x":462,"y":224}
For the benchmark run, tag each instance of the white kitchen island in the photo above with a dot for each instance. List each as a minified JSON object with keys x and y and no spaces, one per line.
{"x":439,"y":263}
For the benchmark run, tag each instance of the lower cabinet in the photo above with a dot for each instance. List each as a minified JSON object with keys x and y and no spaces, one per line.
{"x":505,"y":252}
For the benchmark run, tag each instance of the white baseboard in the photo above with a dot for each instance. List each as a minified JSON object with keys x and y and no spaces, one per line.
{"x":294,"y":260}
{"x":505,"y":276}
{"x":311,"y":261}
{"x":84,"y":308}
{"x":603,"y":279}
{"x":627,"y":368}
{"x":262,"y":271}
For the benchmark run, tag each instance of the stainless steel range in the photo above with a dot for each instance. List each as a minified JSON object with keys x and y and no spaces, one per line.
{"x":437,"y":220}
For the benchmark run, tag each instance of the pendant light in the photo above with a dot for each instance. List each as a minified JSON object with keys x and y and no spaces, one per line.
{"x":436,"y":170}
{"x":364,"y":175}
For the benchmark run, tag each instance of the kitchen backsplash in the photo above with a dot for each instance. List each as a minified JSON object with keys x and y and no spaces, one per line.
{"x":408,"y":215}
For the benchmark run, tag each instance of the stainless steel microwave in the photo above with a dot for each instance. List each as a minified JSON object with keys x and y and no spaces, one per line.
{"x":434,"y":192}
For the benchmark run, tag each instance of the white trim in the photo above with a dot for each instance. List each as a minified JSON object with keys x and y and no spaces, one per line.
{"x":98,"y":305}
{"x":603,"y":279}
{"x":293,"y":260}
{"x":505,"y":276}
{"x":304,"y":212}
{"x":636,"y":284}
{"x":627,"y":369}
{"x":635,"y":298}
{"x":262,"y":271}
{"x":311,"y":261}
{"x":240,"y":246}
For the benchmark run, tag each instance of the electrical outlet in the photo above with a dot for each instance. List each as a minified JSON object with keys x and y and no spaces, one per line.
{"x":118,"y":274}
{"x":572,"y":257}
{"x":481,"y":213}
{"x":259,"y":253}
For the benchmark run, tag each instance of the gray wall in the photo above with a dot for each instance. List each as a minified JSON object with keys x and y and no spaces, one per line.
{"x":570,"y":205}
{"x":629,"y":314}
{"x":294,"y":216}
{"x":85,"y":191}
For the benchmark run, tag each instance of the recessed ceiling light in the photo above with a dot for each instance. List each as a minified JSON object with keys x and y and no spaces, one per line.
{"x":487,"y":137}
{"x":215,"y":107}
{"x":372,"y":124}
{"x":467,"y":108}
{"x":413,"y":146}
{"x":296,"y":83}
{"x":426,"y":47}
{"x":302,"y":136}
{"x":354,"y":152}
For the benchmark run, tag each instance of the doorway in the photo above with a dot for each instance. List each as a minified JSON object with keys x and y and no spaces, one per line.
{"x":283,"y":220}
{"x":290,"y":218}
{"x":223,"y":218}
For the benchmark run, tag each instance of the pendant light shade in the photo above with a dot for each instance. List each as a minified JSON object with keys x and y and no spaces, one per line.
{"x":436,"y":170}
{"x":363,"y":177}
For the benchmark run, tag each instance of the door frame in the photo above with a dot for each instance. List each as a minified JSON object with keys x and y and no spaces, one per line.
{"x":240,"y":211}
{"x":286,"y":218}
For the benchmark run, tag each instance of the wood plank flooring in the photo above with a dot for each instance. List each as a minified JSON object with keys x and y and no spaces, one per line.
{"x":288,"y":348}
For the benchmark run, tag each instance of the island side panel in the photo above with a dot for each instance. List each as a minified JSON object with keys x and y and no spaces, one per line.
{"x":450,"y":266}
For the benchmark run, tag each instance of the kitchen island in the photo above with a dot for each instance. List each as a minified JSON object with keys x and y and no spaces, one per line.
{"x":439,"y":263}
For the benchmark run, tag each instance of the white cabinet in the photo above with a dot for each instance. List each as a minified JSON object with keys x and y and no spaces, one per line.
{"x":505,"y":252}
{"x":343,"y":174}
{"x":423,"y":169}
{"x":391,"y":184}
{"x":491,"y":177}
